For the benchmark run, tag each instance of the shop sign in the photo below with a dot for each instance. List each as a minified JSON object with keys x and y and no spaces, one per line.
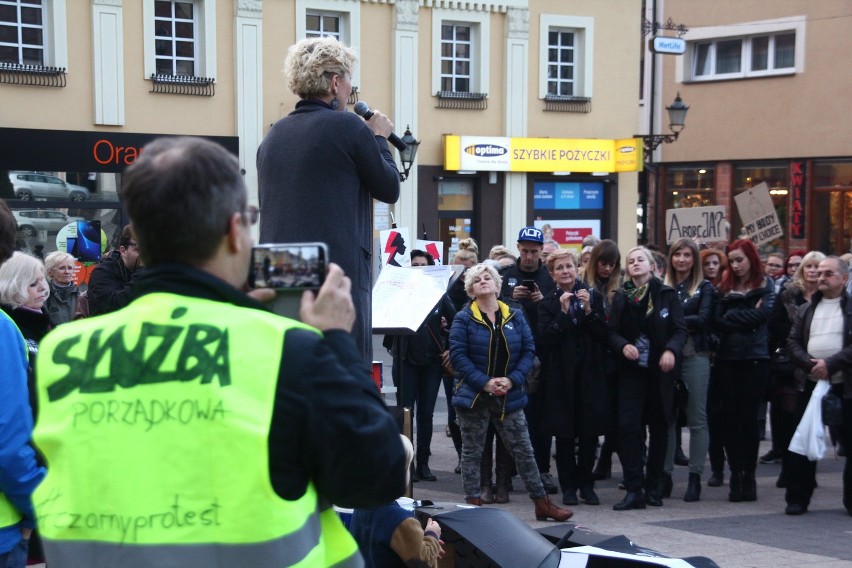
{"x":667,"y":45}
{"x":760,"y":221}
{"x":703,"y":224}
{"x":502,"y":154}
{"x":797,"y":215}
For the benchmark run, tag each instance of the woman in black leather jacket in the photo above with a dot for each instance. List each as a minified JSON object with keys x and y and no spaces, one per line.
{"x":745,"y":303}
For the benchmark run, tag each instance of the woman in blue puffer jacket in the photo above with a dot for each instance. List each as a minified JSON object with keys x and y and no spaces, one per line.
{"x":492,"y":351}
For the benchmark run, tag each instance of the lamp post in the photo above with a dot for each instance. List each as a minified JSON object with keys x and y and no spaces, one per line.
{"x":677,"y":118}
{"x":407,"y":156}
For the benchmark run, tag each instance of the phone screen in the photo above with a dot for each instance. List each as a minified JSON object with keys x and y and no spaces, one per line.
{"x":288,"y":266}
{"x":87,"y":245}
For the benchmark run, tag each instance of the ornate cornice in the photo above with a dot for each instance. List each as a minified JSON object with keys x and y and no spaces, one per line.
{"x":249,"y":8}
{"x":519,"y":23}
{"x":407,"y":12}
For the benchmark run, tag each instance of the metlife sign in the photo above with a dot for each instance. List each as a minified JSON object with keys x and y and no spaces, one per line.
{"x":669,"y":45}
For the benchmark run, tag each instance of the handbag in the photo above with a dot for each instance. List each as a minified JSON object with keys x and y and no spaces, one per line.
{"x":780,"y":362}
{"x":832,"y":409}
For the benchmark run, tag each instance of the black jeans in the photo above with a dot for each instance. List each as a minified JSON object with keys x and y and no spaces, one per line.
{"x":540,"y":442}
{"x":640,"y":404}
{"x":575,"y":470}
{"x":418,"y":390}
{"x":742,"y":387}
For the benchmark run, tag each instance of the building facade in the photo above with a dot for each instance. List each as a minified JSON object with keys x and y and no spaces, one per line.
{"x":762,"y":82}
{"x":86,"y":84}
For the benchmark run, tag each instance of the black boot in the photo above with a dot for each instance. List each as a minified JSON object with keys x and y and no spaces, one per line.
{"x":736,"y":487}
{"x":693,"y":489}
{"x":717,"y":479}
{"x":749,"y":486}
{"x":633,"y":500}
{"x":423,"y":471}
{"x":667,"y":486}
{"x":587,"y":493}
{"x":654,"y":492}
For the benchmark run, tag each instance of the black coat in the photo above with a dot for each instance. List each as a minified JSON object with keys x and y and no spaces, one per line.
{"x":741,"y":323}
{"x":318,"y":173}
{"x":572,"y":380}
{"x":110,"y":285}
{"x":667,"y":331}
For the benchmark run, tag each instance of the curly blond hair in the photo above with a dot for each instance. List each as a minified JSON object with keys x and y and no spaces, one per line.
{"x":310,"y":63}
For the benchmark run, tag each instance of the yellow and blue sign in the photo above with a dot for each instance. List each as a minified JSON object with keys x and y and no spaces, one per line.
{"x":502,"y":154}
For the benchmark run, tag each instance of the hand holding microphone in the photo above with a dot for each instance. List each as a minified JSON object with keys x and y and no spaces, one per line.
{"x":381,"y":126}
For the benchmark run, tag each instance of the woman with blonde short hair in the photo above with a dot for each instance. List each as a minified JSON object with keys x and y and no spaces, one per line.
{"x":61,"y":305}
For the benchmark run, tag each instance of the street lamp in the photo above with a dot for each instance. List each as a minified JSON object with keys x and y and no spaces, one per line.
{"x":677,"y":117}
{"x":407,"y":156}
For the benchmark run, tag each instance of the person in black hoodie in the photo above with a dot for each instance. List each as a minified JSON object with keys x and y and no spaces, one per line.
{"x":111,"y":282}
{"x":648,"y":331}
{"x":745,"y":303}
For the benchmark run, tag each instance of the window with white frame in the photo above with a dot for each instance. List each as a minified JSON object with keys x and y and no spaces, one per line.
{"x":180,"y":38}
{"x":22,"y":32}
{"x":340,"y":19}
{"x":757,"y":49}
{"x":460,"y":52}
{"x":322,"y":24}
{"x":565,"y":56}
{"x":175,"y":37}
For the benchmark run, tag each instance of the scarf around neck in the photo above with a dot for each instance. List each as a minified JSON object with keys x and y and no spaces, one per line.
{"x":637,"y":295}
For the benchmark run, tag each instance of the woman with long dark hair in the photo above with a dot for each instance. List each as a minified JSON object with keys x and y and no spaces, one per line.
{"x":686,"y":276}
{"x":647,"y":331}
{"x":746,"y":300}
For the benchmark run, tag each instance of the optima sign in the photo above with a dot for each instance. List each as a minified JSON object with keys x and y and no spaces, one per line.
{"x":498,"y":154}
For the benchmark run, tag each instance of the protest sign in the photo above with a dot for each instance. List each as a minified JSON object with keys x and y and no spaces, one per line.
{"x":435,"y":248}
{"x":760,"y":221}
{"x":395,"y":247}
{"x":700,"y":223}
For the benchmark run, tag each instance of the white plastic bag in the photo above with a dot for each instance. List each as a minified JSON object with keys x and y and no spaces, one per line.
{"x":809,"y":439}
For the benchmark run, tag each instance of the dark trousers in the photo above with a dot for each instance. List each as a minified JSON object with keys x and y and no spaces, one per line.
{"x":714,"y":422}
{"x":801,"y":472}
{"x":575,"y":468}
{"x":640,"y":404}
{"x":540,"y":442}
{"x":418,"y":390}
{"x":742,"y":387}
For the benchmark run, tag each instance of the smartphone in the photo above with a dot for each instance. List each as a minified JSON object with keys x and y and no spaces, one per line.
{"x":528,"y":284}
{"x":289,"y":269}
{"x":87,"y":245}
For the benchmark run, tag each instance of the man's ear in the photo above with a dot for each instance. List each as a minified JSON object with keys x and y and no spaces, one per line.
{"x":235,"y":227}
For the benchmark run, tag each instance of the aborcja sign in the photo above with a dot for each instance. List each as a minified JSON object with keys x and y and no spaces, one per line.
{"x":700,"y":223}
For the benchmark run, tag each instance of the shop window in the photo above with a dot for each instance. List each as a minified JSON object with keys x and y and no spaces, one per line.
{"x":340,"y":19}
{"x":689,"y":186}
{"x":180,"y":39}
{"x":832,"y":233}
{"x":460,"y":55}
{"x":455,"y":212}
{"x":776,"y":176}
{"x":745,"y":50}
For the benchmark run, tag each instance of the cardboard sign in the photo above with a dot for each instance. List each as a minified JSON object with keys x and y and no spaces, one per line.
{"x":700,"y":223}
{"x":395,"y":247}
{"x":435,"y":248}
{"x":760,"y":221}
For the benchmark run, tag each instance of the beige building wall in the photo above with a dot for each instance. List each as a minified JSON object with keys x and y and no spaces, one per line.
{"x":798,"y":116}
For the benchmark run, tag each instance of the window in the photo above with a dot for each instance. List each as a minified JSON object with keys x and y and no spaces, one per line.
{"x":340,"y":19}
{"x":180,"y":38}
{"x":22,"y":32}
{"x":689,"y":186}
{"x":459,"y":52}
{"x":175,"y":30}
{"x":565,"y":56}
{"x":32,"y":32}
{"x":746,"y":50}
{"x":320,"y":24}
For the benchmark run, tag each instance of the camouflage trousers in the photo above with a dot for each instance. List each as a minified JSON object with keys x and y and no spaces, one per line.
{"x":515,"y":434}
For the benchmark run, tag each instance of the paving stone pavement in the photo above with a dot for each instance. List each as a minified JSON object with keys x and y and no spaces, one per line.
{"x":735,"y":535}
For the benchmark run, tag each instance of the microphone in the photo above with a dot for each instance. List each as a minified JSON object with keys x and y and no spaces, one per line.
{"x":362,"y":109}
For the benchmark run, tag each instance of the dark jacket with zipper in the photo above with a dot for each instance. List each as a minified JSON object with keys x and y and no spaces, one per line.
{"x":742,"y":325}
{"x":472,"y":351}
{"x":698,"y":313}
{"x":800,"y":334}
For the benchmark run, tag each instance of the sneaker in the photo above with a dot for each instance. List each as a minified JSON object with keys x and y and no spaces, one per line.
{"x":549,"y":485}
{"x":771,"y":457}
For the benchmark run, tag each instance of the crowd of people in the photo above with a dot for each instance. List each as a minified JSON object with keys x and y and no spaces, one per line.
{"x":700,"y":338}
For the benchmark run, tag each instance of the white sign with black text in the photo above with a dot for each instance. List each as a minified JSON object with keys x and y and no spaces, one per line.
{"x":704,"y":224}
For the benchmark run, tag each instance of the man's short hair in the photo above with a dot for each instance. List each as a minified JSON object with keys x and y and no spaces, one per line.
{"x":126,"y":237}
{"x":180,"y":194}
{"x":430,"y":260}
{"x":8,"y":228}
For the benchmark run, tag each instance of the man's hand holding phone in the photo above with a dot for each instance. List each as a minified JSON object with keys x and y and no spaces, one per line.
{"x":332,"y":307}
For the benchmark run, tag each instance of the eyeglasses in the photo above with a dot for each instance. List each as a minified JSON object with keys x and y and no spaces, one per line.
{"x":794,"y":265}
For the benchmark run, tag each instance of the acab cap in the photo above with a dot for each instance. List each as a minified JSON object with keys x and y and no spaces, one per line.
{"x":531,"y":235}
